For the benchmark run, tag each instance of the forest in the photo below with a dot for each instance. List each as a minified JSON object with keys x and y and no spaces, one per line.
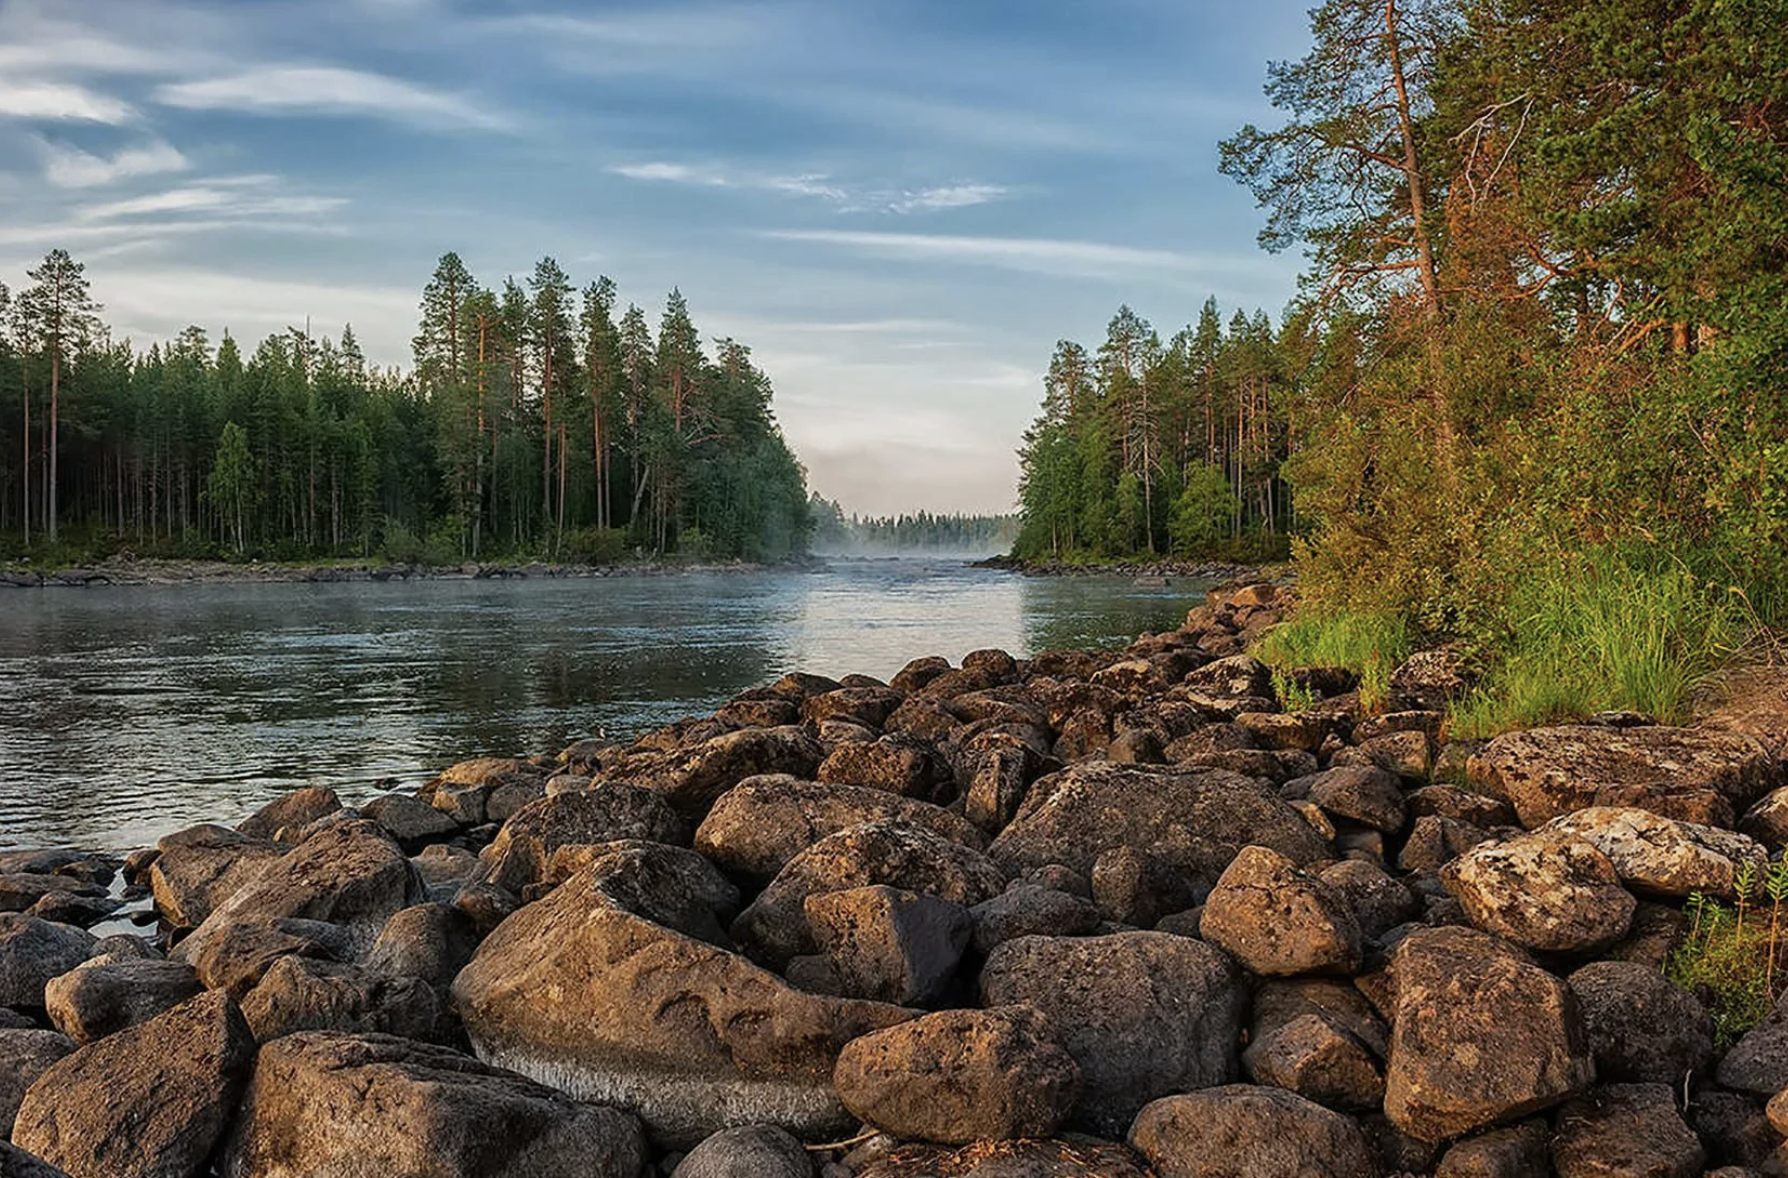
{"x":1530,"y":397}
{"x":915,"y":532}
{"x":538,"y":422}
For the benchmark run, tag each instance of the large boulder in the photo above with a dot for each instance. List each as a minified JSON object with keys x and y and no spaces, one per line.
{"x":352,"y":876}
{"x":33,"y":951}
{"x":1551,"y":892}
{"x":578,"y":991}
{"x":774,"y":929}
{"x":1623,"y":1130}
{"x":1661,"y":856}
{"x":1481,"y":1035}
{"x":25,"y":1054}
{"x":1685,"y":773}
{"x":756,"y":827}
{"x":1643,"y":1027}
{"x":1240,"y":1131}
{"x":605,"y":813}
{"x":108,"y":994}
{"x":1278,"y":920}
{"x":694,"y":780}
{"x":890,"y":945}
{"x":1199,"y":818}
{"x":1143,"y":1014}
{"x":151,"y":1100}
{"x":960,"y":1076}
{"x":341,"y":1106}
{"x":200,"y":867}
{"x":304,"y":994}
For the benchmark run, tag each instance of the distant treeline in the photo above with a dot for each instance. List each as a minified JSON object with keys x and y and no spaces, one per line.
{"x":833,"y":531}
{"x":533,"y":423}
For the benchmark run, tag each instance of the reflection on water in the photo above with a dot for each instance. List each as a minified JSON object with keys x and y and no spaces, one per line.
{"x":129,"y":712}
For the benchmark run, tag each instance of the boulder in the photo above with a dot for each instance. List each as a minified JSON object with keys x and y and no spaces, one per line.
{"x":1370,"y":796}
{"x":605,"y":813}
{"x":1767,"y":820}
{"x":1518,"y":1151}
{"x":1693,"y":774}
{"x":432,"y":942}
{"x":25,"y":1054}
{"x":32,"y":951}
{"x":1025,"y":910}
{"x":292,"y":811}
{"x":607,"y":1005}
{"x":1758,"y":1062}
{"x":1319,"y":1060}
{"x":890,"y":945}
{"x":1481,"y":1035}
{"x":1661,"y":856}
{"x":920,"y":671}
{"x":750,"y":1151}
{"x":1279,"y":920}
{"x":199,"y":868}
{"x":898,"y":854}
{"x":24,"y":891}
{"x":1241,"y":1131}
{"x":105,"y":995}
{"x":1461,"y":805}
{"x":1626,"y":1131}
{"x":1643,"y":1027}
{"x":1430,"y":679}
{"x":151,"y":1100}
{"x":410,"y":820}
{"x":352,"y":876}
{"x":235,"y":956}
{"x":667,"y":885}
{"x":1237,"y":677}
{"x":1378,"y":902}
{"x":696,"y":779}
{"x":1733,"y":1128}
{"x":756,"y":827}
{"x":868,"y":706}
{"x":898,"y":763}
{"x":960,"y":1076}
{"x":1143,"y":1014}
{"x":1196,"y":817}
{"x":304,"y":994}
{"x":325,"y":1105}
{"x":1550,"y":891}
{"x":1434,"y":842}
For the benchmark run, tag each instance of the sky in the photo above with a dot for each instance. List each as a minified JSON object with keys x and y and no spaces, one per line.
{"x":900,"y":205}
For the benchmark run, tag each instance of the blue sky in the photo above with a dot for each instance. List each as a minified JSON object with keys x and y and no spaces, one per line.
{"x":899,"y":204}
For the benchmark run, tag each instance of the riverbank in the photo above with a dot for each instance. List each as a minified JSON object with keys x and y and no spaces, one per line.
{"x":1093,"y":914}
{"x":116,"y":571}
{"x":1194,"y":570}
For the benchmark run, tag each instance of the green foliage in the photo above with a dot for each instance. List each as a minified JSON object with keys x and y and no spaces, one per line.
{"x":1202,"y":512}
{"x":1733,"y":956}
{"x":1369,"y":644}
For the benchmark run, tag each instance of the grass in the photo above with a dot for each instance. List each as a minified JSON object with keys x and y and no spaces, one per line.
{"x":1369,"y":644}
{"x":1601,"y":633}
{"x":1732,"y":958}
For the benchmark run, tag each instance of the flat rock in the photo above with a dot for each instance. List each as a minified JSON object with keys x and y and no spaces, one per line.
{"x":1481,"y":1035}
{"x":1545,"y":891}
{"x":1660,"y":856}
{"x":1279,"y":920}
{"x":960,"y":1076}
{"x":1143,"y":1014}
{"x":1241,"y":1131}
{"x":756,"y":827}
{"x":1545,"y":773}
{"x":1198,"y":817}
{"x":325,"y":1105}
{"x":577,"y":991}
{"x":150,"y":1100}
{"x":106,"y":995}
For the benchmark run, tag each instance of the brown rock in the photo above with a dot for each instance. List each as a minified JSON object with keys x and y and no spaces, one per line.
{"x":1278,"y":920}
{"x":150,"y":1100}
{"x":1550,"y":892}
{"x":293,"y":810}
{"x":890,"y":945}
{"x":1318,"y":1060}
{"x":960,"y":1076}
{"x":605,"y":813}
{"x":898,"y":763}
{"x":1370,"y":796}
{"x":1240,"y":1131}
{"x":341,"y":1106}
{"x":1661,"y":856}
{"x":200,"y":867}
{"x":32,"y":951}
{"x":695,"y":780}
{"x":410,"y":820}
{"x":303,"y":994}
{"x":1516,"y":1152}
{"x":1626,"y":1131}
{"x":1073,"y":1157}
{"x":108,"y":994}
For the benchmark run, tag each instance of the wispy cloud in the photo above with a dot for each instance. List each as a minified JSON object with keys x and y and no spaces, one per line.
{"x":329,"y":90}
{"x":61,"y":102}
{"x":844,"y":196}
{"x":70,"y":167}
{"x":240,"y":196}
{"x":1035,"y":255}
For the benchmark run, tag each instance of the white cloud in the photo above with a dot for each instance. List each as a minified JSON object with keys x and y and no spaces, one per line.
{"x":61,"y":102}
{"x":241,"y":196}
{"x":327,"y":90}
{"x":817,"y":185}
{"x":659,"y":171}
{"x":70,"y":167}
{"x":955,"y":196}
{"x":1035,"y":255}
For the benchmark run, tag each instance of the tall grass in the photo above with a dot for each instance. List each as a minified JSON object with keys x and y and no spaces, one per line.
{"x":1601,"y":632}
{"x":1368,"y":644}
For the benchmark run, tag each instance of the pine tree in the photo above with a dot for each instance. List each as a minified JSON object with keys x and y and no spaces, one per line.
{"x":62,"y":318}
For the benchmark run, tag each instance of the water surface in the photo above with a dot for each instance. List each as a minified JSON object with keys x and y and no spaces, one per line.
{"x":129,"y":712}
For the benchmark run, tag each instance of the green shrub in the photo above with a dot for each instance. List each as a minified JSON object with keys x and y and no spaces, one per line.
{"x":1369,"y":644}
{"x":1732,"y":958}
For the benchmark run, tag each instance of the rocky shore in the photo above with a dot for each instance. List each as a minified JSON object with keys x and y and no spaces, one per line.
{"x":1087,"y":915}
{"x":1189,"y":570}
{"x":218,"y":572}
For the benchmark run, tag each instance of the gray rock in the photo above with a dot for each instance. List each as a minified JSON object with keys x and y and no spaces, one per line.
{"x":32,"y":951}
{"x":1642,"y":1026}
{"x":25,"y":1054}
{"x":1621,"y":1130}
{"x":749,"y":1151}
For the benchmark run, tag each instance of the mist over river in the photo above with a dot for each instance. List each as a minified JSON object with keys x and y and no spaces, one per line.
{"x":129,"y":712}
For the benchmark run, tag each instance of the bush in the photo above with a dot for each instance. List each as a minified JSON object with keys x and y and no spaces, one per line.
{"x":595,"y":545}
{"x":1732,"y":959}
{"x":1369,"y":644}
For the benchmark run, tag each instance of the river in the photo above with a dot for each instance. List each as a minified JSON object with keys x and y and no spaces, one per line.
{"x":129,"y":712}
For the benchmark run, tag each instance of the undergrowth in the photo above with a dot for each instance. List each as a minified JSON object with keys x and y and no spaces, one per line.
{"x":1732,"y":958}
{"x":1368,"y":644}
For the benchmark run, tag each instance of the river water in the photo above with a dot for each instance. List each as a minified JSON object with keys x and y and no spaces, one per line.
{"x":129,"y":712}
